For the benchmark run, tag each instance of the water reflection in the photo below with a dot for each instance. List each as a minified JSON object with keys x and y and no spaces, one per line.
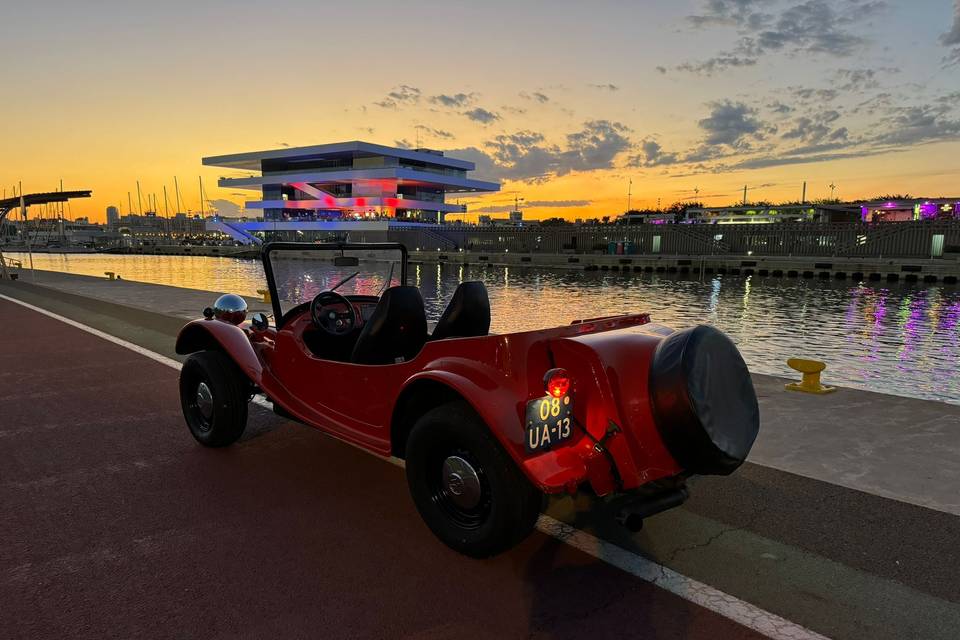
{"x":902,"y":339}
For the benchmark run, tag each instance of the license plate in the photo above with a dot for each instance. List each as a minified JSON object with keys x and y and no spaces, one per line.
{"x":548,"y":422}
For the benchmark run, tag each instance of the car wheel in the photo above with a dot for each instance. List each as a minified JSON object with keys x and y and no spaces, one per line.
{"x":213,"y":395}
{"x":465,"y":486}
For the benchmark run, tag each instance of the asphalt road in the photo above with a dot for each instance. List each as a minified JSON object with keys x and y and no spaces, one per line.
{"x":116,"y":524}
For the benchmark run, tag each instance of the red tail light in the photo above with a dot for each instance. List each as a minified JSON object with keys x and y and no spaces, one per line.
{"x":557,"y":382}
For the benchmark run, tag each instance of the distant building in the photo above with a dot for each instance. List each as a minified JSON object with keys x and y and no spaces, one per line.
{"x":758,"y":214}
{"x":905,"y":210}
{"x":878,"y":211}
{"x":352,"y":180}
{"x":113,"y":216}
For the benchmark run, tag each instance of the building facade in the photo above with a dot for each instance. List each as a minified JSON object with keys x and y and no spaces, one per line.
{"x":909,"y":210}
{"x":113,"y":217}
{"x":352,"y":180}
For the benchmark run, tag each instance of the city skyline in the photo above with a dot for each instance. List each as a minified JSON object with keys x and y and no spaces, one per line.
{"x":565,"y":104}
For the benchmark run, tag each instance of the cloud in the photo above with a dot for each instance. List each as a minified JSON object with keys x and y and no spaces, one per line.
{"x":813,"y":128}
{"x":456,"y":100}
{"x":481,"y":115}
{"x":921,"y":124}
{"x":542,"y":204}
{"x":536,"y":96}
{"x":661,"y":69}
{"x":711,"y":66}
{"x":492,"y":208}
{"x":779,"y":107}
{"x":606,"y":87}
{"x":652,"y":155}
{"x":778,"y":160}
{"x":809,"y":26}
{"x":527,"y":156}
{"x":436,"y":133}
{"x":861,"y":80}
{"x":952,"y":38}
{"x":596,"y":145}
{"x":807,"y":95}
{"x":856,"y":79}
{"x":402,"y":95}
{"x":730,"y":123}
{"x":729,"y":13}
{"x":557,"y":204}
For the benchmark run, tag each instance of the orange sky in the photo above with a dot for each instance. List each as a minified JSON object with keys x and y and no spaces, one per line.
{"x":116,"y":93}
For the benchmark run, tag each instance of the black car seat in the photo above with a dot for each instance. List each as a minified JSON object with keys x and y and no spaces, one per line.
{"x":396,"y":331}
{"x":467,"y":315}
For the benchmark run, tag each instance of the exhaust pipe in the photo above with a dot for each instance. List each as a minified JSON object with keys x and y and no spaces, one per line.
{"x":633,"y":514}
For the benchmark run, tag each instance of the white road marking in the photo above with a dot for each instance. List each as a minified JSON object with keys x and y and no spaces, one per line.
{"x":700,"y":594}
{"x":728,"y":606}
{"x":170,"y":362}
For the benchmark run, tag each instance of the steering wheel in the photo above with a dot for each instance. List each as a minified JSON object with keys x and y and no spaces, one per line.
{"x":326,"y":316}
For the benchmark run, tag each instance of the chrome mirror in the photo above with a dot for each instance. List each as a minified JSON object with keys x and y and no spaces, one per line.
{"x":259,"y":321}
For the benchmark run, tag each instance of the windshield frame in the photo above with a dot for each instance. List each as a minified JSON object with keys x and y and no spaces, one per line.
{"x":340,"y":247}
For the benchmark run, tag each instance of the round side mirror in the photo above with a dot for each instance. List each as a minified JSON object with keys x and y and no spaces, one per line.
{"x":230,"y":308}
{"x":259,"y":321}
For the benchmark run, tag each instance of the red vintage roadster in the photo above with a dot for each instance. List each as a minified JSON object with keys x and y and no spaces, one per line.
{"x":487,"y":424}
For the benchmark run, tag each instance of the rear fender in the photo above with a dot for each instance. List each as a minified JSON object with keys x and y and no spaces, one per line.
{"x":200,"y":335}
{"x":490,"y":395}
{"x":616,"y":367}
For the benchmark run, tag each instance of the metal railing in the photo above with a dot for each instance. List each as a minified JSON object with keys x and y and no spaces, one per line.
{"x":892,"y":239}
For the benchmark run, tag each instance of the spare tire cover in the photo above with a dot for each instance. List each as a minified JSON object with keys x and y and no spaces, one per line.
{"x":704,"y":402}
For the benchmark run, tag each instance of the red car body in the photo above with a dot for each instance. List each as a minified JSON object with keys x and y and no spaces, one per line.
{"x":621,"y":418}
{"x":371,"y":405}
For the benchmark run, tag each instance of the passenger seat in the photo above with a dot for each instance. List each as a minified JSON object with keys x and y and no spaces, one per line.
{"x":467,"y":315}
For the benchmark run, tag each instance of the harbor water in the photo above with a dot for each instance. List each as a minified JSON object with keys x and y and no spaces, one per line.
{"x":902,"y":339}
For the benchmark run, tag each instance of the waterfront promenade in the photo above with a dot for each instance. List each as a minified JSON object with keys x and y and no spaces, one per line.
{"x":120,"y":525}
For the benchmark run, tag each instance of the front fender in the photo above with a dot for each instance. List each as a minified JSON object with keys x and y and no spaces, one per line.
{"x":199,"y":335}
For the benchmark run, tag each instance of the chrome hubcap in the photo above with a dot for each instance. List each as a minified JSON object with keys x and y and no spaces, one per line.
{"x":205,"y":400}
{"x":461,"y":482}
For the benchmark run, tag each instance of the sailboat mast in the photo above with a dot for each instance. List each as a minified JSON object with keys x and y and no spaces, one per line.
{"x":63,"y":231}
{"x":139,"y":200}
{"x":176,"y":188}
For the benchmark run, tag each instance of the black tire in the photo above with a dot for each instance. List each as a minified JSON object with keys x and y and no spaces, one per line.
{"x":221,"y":421}
{"x":508,"y":504}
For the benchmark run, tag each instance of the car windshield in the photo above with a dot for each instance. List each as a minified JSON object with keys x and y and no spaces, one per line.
{"x":300,"y":272}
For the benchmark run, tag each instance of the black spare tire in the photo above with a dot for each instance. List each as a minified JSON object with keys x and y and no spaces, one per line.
{"x":703,"y":399}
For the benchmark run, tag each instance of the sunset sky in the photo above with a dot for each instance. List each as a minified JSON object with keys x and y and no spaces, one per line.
{"x":565,"y":102}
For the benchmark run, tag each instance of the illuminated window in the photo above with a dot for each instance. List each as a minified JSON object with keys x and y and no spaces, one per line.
{"x":656,"y":244}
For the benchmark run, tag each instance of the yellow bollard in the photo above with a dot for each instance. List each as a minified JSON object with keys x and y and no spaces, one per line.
{"x":109,"y":274}
{"x":266,"y":295}
{"x":810,"y":383}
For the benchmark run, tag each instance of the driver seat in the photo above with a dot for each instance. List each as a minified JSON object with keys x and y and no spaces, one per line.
{"x":396,"y":331}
